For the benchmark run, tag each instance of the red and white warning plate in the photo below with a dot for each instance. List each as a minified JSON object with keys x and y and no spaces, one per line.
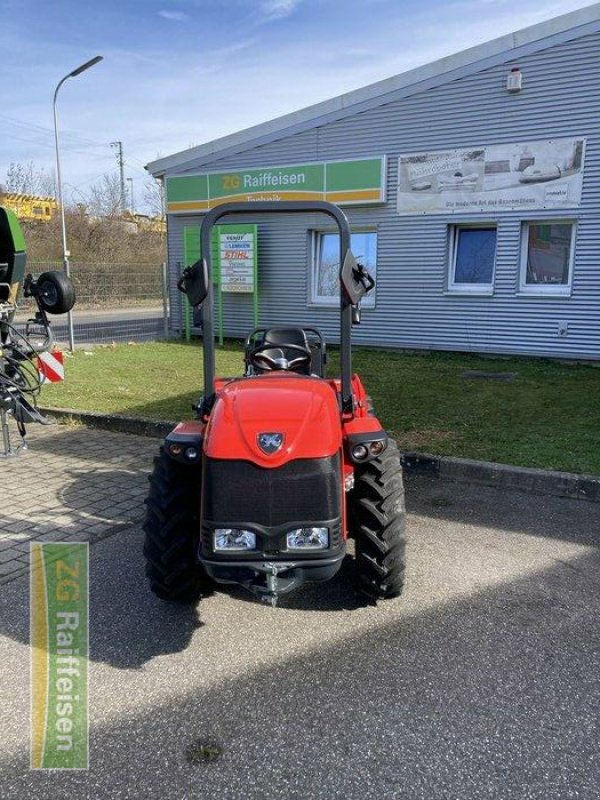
{"x":51,"y":367}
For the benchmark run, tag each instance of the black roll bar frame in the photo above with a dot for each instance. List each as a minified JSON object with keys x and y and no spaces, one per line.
{"x":278,"y":207}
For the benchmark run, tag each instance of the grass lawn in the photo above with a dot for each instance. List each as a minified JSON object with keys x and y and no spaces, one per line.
{"x":548,"y":415}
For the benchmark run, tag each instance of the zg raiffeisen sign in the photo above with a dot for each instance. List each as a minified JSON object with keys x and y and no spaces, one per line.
{"x":359,"y":182}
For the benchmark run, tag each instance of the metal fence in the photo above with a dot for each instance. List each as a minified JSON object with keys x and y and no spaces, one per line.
{"x":115,"y":302}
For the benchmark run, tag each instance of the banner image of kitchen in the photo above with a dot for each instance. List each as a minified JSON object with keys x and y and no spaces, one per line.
{"x":545,"y":174}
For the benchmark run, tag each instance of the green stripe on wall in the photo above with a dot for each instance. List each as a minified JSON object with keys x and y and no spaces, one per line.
{"x":348,"y":175}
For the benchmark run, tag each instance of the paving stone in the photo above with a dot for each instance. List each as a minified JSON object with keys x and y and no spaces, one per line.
{"x":8,"y":555}
{"x":87,"y":484}
{"x":21,"y":547}
{"x":10,"y":566}
{"x":6,"y":543}
{"x":17,"y":527}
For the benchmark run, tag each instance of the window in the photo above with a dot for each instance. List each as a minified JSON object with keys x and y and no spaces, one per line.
{"x":472,"y":259}
{"x":325,"y":283}
{"x":547,"y":257}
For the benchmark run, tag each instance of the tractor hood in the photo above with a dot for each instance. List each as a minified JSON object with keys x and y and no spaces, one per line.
{"x":275,"y":418}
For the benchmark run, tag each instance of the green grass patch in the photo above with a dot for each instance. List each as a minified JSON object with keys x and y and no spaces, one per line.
{"x":546,"y":416}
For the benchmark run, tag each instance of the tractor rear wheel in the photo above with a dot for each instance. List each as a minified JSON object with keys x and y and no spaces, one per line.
{"x":378,"y":525}
{"x":173,"y":532}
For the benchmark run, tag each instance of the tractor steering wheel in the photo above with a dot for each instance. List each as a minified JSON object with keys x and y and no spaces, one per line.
{"x":260,"y":359}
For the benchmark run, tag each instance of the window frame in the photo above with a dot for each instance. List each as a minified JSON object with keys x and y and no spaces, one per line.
{"x":320,"y":301}
{"x":481,"y":289}
{"x":545,"y":289}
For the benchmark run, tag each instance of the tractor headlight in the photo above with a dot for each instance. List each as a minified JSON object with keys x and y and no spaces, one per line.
{"x":359,"y":452}
{"x":308,"y":539}
{"x":377,"y":447}
{"x":234,"y":539}
{"x":192,"y":453}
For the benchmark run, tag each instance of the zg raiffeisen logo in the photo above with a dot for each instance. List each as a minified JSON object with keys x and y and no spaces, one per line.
{"x":59,"y":627}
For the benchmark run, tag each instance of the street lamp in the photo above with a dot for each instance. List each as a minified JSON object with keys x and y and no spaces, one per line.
{"x":66,"y":253}
{"x":131,"y":200}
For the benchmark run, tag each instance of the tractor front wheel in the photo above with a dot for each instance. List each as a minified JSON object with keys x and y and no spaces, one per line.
{"x":378,"y":525}
{"x":172,"y":531}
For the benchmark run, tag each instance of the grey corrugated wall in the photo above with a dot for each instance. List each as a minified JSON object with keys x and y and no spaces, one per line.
{"x":561,"y":97}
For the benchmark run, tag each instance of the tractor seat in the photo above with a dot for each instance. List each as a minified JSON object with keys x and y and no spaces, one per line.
{"x":279,"y":337}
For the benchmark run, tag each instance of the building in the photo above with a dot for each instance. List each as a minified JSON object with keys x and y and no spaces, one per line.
{"x":30,"y":207}
{"x":144,"y":222}
{"x":472,"y":186}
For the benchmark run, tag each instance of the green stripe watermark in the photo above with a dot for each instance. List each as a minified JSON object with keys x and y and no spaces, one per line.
{"x":59,"y":624}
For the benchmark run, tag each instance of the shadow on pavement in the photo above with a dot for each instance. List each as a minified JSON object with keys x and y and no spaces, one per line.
{"x":338,"y":594}
{"x":561,"y":518}
{"x":74,"y":481}
{"x":82,"y":444}
{"x":140,"y":631}
{"x":490,"y":695}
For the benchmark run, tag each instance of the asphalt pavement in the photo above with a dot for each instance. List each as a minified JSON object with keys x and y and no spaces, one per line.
{"x":129,"y":323}
{"x":481,"y":681}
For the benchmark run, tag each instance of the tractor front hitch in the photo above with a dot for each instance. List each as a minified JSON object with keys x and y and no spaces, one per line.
{"x":268,"y":580}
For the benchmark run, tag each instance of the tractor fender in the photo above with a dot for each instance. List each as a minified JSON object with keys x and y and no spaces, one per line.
{"x":303,"y":410}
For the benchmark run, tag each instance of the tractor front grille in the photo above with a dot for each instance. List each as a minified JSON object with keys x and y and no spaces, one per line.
{"x":305,"y":490}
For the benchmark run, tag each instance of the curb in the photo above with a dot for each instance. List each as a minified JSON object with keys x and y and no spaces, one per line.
{"x":501,"y":476}
{"x":506,"y":476}
{"x":118,"y":424}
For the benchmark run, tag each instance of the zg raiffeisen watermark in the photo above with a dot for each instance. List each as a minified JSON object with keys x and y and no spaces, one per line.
{"x":59,"y":626}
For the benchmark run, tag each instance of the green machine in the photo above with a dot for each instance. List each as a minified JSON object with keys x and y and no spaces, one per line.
{"x":12,"y":263}
{"x":53,"y":293}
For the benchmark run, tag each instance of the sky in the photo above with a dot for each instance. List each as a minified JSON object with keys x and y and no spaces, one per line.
{"x":178,"y":73}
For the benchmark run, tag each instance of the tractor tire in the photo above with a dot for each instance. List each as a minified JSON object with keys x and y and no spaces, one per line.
{"x":173,"y":532}
{"x":378,"y":525}
{"x":56,"y":293}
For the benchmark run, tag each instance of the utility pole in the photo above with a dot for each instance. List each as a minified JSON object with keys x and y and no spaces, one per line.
{"x":121,"y":163}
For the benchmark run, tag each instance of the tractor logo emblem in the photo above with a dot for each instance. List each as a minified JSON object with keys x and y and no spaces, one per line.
{"x":270,"y":443}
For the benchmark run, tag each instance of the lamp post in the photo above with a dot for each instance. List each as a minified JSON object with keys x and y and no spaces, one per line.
{"x":66,"y":253}
{"x":131,"y":200}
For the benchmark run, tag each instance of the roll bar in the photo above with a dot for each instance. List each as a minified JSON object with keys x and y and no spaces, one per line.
{"x":348,"y":293}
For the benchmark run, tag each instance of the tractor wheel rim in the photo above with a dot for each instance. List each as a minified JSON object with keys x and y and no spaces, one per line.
{"x":49,"y":293}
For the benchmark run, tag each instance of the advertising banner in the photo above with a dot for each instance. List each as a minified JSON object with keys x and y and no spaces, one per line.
{"x":237,"y":258}
{"x":358,"y":182}
{"x":234,"y":254}
{"x":525,"y":176}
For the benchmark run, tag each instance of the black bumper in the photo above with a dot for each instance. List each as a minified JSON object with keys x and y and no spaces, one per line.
{"x":277,"y":576}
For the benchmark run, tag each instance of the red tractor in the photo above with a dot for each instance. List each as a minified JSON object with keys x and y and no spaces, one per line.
{"x":282,"y":465}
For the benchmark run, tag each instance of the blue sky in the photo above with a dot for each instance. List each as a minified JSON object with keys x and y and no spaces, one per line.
{"x":177,"y":73}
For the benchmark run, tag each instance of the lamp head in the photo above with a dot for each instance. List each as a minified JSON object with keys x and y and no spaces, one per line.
{"x":85,"y":66}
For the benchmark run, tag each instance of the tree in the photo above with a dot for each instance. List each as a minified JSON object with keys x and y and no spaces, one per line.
{"x":154,"y":197}
{"x":28,"y":179}
{"x":105,"y":197}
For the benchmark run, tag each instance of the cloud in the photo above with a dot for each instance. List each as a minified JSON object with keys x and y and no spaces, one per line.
{"x":278,"y":9}
{"x":173,"y":16}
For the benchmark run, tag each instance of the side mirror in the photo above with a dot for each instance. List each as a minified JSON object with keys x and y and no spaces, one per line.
{"x":356,"y":281}
{"x":194,"y":282}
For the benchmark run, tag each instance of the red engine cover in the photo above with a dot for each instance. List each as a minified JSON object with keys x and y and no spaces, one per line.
{"x":305,"y":410}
